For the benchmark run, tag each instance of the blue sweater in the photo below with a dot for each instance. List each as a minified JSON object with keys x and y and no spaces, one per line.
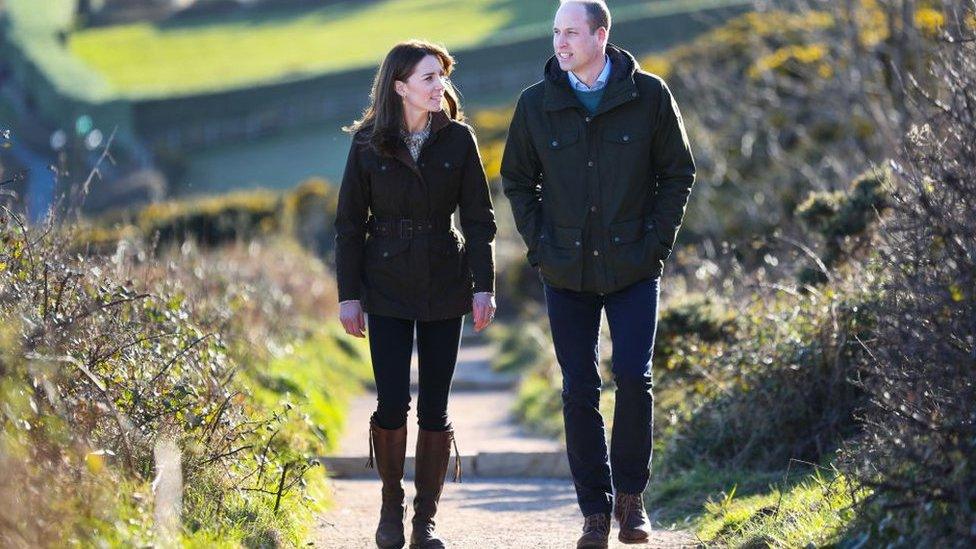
{"x":590,"y":99}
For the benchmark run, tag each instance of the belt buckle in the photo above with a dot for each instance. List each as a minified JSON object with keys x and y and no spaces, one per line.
{"x":406,"y":228}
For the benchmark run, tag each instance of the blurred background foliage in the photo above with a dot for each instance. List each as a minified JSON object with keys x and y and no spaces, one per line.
{"x":815,"y":349}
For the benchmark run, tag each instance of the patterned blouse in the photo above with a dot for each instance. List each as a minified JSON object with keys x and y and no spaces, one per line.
{"x":415,"y":140}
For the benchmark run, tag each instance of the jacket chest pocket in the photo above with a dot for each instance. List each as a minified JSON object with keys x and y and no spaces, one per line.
{"x":563,"y":159}
{"x":627,"y":148}
{"x":563,"y":142}
{"x":390,"y":184}
{"x":443,"y":178}
{"x":626,"y":136}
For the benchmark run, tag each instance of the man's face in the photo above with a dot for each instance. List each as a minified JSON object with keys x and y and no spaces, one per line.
{"x":576,"y":47}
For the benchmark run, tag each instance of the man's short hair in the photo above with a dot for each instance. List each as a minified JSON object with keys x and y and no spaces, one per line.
{"x":596,"y":11}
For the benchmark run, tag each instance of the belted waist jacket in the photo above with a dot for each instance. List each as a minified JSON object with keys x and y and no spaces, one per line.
{"x":397,"y":250}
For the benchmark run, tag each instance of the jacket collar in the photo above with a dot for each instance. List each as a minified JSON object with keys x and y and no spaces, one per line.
{"x":621,"y":88}
{"x":438,"y":121}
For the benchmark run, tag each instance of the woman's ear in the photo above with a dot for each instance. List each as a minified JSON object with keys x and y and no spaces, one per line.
{"x":400,"y":88}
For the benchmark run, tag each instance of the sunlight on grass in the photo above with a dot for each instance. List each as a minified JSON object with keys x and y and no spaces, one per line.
{"x":144,"y":59}
{"x":317,"y":376}
{"x":141,"y":59}
{"x":815,"y":511}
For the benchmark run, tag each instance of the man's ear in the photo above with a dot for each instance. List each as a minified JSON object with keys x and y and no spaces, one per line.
{"x":603,"y":35}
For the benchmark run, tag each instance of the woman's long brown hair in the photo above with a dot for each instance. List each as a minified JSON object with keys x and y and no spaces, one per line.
{"x":383,"y":118}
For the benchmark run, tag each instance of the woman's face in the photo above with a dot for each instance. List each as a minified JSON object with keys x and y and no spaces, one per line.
{"x":424,"y":89}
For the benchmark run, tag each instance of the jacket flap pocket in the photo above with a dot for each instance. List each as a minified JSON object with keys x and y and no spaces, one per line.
{"x":626,"y":135}
{"x":625,"y":232}
{"x":390,"y":247}
{"x":446,"y":245}
{"x":567,"y":237}
{"x":563,"y":139}
{"x":446,"y":164}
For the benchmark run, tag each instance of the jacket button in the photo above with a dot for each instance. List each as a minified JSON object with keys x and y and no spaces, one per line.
{"x":386,"y":254}
{"x":590,"y":163}
{"x":555,"y":143}
{"x":587,"y":119}
{"x":447,"y":164}
{"x":616,"y":239}
{"x":383,"y":168}
{"x":634,"y":94}
{"x":596,"y":252}
{"x":592,"y":208}
{"x":577,"y":243}
{"x":626,"y":138}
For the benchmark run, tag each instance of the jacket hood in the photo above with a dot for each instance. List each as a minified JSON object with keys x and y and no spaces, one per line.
{"x":623,"y":65}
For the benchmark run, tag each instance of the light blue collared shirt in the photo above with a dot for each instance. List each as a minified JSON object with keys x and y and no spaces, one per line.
{"x":601,"y":81}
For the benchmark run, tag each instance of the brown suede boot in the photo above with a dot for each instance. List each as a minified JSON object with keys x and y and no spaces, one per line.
{"x":391,"y":450}
{"x":628,"y":509}
{"x":433,"y":456}
{"x":596,"y":532}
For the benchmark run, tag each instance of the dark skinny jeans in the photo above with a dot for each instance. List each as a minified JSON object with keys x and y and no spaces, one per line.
{"x":391,"y":346}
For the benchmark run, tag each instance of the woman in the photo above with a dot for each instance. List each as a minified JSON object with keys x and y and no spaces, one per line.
{"x":411,"y":165}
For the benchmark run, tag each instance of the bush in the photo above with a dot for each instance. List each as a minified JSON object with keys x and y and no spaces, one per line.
{"x":688,"y":328}
{"x":306,"y":213}
{"x":843,"y":220}
{"x":104,"y":359}
{"x":780,"y":390}
{"x":920,"y":428}
{"x":214,"y":220}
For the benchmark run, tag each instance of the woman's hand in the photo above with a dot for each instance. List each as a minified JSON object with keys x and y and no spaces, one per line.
{"x":351,"y":316}
{"x":483,"y":308}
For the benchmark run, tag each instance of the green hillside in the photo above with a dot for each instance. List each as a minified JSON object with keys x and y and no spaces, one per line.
{"x":203,"y":54}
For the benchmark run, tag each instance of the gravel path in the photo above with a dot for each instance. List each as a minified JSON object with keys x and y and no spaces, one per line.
{"x":481,"y":424}
{"x":483,"y":514}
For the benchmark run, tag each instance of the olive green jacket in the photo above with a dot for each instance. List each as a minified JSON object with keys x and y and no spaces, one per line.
{"x":598,"y":198}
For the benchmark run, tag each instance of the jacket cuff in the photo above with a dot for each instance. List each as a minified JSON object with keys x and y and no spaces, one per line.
{"x":488,"y":286}
{"x":348,"y":295}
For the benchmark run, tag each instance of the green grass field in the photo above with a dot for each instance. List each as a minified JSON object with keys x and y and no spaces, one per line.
{"x":213,"y":53}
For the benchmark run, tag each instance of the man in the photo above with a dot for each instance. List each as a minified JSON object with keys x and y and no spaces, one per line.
{"x":598,"y":170}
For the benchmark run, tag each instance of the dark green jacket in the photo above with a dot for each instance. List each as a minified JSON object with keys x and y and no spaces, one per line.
{"x":397,"y":250}
{"x":598,"y":198}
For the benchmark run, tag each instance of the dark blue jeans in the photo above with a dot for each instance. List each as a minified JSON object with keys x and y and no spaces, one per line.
{"x":574,"y":318}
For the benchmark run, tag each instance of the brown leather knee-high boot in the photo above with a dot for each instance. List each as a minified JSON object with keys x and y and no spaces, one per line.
{"x":391,"y":450}
{"x":433,"y":456}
